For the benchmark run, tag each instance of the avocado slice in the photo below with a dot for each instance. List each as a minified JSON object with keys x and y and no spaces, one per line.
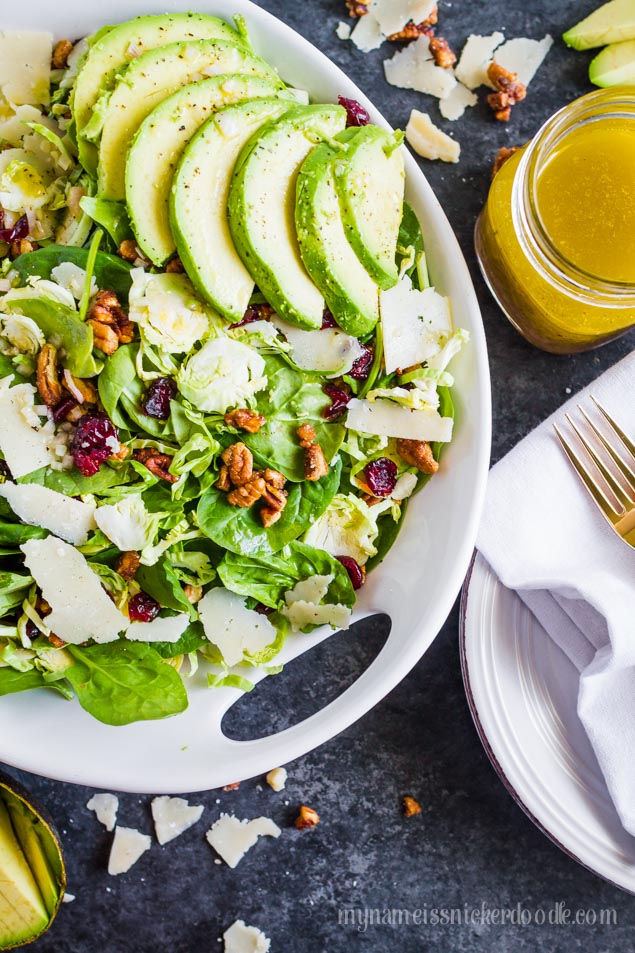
{"x":329,"y":258}
{"x":262,"y":209}
{"x":149,"y":80}
{"x":370,"y":180}
{"x":198,"y":204}
{"x":613,"y":22}
{"x":614,"y":66}
{"x":159,"y":143}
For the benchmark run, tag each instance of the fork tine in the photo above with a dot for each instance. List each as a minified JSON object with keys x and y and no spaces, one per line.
{"x":630,"y":446}
{"x":596,"y":492}
{"x":623,"y":488}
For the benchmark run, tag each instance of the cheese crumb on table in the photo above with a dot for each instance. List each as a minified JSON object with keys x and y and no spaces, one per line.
{"x":471,"y":70}
{"x":277,"y":778}
{"x":240,"y":938}
{"x":429,"y":141}
{"x":523,"y":56}
{"x":454,"y":105}
{"x":414,"y":68}
{"x":127,"y":847}
{"x":105,"y":807}
{"x":231,"y":838}
{"x":173,"y":816}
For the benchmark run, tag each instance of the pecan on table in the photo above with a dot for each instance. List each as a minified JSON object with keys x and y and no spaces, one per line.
{"x":443,"y":55}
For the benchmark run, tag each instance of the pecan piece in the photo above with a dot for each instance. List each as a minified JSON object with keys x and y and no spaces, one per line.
{"x":307,"y":818}
{"x":75,"y":413}
{"x":122,"y":453}
{"x":248,"y":493}
{"x":509,"y":91}
{"x":306,"y":434}
{"x":274,"y":478}
{"x":269,"y":516}
{"x":411,"y":807}
{"x":157,"y":463}
{"x":193,"y":594}
{"x":22,"y":247}
{"x":48,"y":383}
{"x":244,"y":419}
{"x":274,"y":497}
{"x":413,"y":30}
{"x":128,"y":563}
{"x":232,"y":787}
{"x":61,"y":52}
{"x":315,"y":465}
{"x":175,"y":266}
{"x":86,"y":388}
{"x":224,"y":483}
{"x":240,"y":463}
{"x":105,"y":338}
{"x":418,"y":453}
{"x":55,"y":640}
{"x":443,"y":55}
{"x":128,"y":250}
{"x":502,"y":156}
{"x":110,"y":323}
{"x":357,"y":8}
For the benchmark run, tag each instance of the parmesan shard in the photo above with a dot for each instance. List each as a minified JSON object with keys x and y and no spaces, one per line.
{"x":392,"y":15}
{"x":81,"y":609}
{"x":25,"y":67}
{"x":105,"y":807}
{"x":454,"y":105}
{"x":231,"y":838}
{"x":385,"y":418}
{"x":415,"y":324}
{"x":23,"y":440}
{"x":173,"y":816}
{"x":277,"y":779}
{"x":343,"y":30}
{"x":523,"y":56}
{"x":161,"y":629}
{"x":429,"y":141}
{"x":414,"y":68}
{"x":240,"y":938}
{"x":304,"y":606}
{"x":367,"y":36}
{"x":127,"y":847}
{"x":471,"y":70}
{"x":231,"y":626}
{"x":36,"y":505}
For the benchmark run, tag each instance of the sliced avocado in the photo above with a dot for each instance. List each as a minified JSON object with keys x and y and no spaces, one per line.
{"x":613,"y":22}
{"x":614,"y":66}
{"x":149,"y":80}
{"x":159,"y":144}
{"x":23,"y":915}
{"x":370,"y":180}
{"x":350,"y":292}
{"x":198,"y":204}
{"x":262,"y":209}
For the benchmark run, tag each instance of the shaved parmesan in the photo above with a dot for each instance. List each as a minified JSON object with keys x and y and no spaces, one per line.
{"x":388,"y":419}
{"x":523,"y":56}
{"x":429,"y":141}
{"x":231,"y":838}
{"x":68,"y":898}
{"x":240,"y":938}
{"x":70,"y":276}
{"x":312,"y":589}
{"x":127,"y":847}
{"x":415,"y":324}
{"x":277,"y":778}
{"x":161,"y":629}
{"x":343,"y":30}
{"x":173,"y":816}
{"x":414,"y":68}
{"x":38,"y":506}
{"x":404,"y":487}
{"x":303,"y":605}
{"x":105,"y":807}
{"x":232,"y":627}
{"x":25,"y":67}
{"x":471,"y":70}
{"x":23,"y":440}
{"x":367,"y":36}
{"x":392,"y":15}
{"x":454,"y":105}
{"x":329,"y":352}
{"x":81,"y":609}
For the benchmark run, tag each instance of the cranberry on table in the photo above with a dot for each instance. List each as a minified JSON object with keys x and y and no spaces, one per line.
{"x":356,"y":115}
{"x":381,"y":476}
{"x":143,"y":608}
{"x":354,"y":570}
{"x":361,"y":368}
{"x":95,"y":440}
{"x":339,"y":401}
{"x":156,"y":400}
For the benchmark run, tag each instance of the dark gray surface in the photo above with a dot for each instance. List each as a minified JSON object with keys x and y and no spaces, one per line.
{"x":472,"y":844}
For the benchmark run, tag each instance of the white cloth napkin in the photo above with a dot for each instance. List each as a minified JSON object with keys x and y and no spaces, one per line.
{"x":544,"y":537}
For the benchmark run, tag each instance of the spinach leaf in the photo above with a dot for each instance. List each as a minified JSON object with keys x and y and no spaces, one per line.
{"x":63,"y":326}
{"x":111,"y":273}
{"x":192,"y":639}
{"x":121,"y":392}
{"x":13,"y":534}
{"x":290,"y":400}
{"x":72,"y":483}
{"x":13,"y":590}
{"x":113,"y":216}
{"x":161,"y":582}
{"x":410,"y":236}
{"x":241,"y":530}
{"x":268,"y":578}
{"x":122,"y":682}
{"x":7,"y":367}
{"x":13,"y":681}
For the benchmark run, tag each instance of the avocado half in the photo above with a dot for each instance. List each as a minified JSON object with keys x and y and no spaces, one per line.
{"x":32,"y":871}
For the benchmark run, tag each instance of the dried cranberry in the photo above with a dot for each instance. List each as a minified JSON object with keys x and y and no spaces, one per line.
{"x":356,"y":115}
{"x":143,"y":608}
{"x":354,"y":570}
{"x":381,"y":476}
{"x":64,"y":407}
{"x":255,"y":312}
{"x":16,"y":232}
{"x":31,"y":630}
{"x":156,"y":400}
{"x":339,"y":401}
{"x":328,"y":321}
{"x":263,"y":609}
{"x":361,"y":368}
{"x":94,"y":442}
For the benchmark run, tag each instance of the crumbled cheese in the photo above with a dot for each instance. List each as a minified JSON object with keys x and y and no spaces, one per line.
{"x":312,"y":589}
{"x":429,"y":141}
{"x":36,"y":505}
{"x":329,"y":352}
{"x":25,"y":67}
{"x":277,"y":778}
{"x":81,"y":609}
{"x":23,"y":439}
{"x":303,"y":605}
{"x":127,"y":847}
{"x":454,"y":105}
{"x":415,"y":324}
{"x":343,"y":30}
{"x":240,"y":938}
{"x":471,"y":70}
{"x":231,"y":838}
{"x":523,"y":56}
{"x":414,"y":68}
{"x":404,"y":487}
{"x":367,"y":35}
{"x":161,"y":629}
{"x":388,"y":419}
{"x":232,"y":627}
{"x":173,"y":816}
{"x":68,"y":897}
{"x":105,"y":807}
{"x":73,"y":278}
{"x":392,"y":15}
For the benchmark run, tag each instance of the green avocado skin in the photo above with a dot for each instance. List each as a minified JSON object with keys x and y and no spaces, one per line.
{"x":614,"y":65}
{"x":613,"y":22}
{"x":316,"y":175}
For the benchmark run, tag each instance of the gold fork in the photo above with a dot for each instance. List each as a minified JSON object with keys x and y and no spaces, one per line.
{"x":607,"y":469}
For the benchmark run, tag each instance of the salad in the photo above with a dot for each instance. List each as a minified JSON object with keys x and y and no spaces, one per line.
{"x":223,"y":368}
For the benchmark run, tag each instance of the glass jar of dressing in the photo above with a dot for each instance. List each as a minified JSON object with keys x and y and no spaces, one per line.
{"x":556,"y":239}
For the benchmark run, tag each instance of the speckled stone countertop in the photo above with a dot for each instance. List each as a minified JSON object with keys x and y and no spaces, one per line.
{"x":472,"y":844}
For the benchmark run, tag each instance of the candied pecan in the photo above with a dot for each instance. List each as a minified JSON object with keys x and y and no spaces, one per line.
{"x":357,"y":8}
{"x":503,"y":115}
{"x":307,"y":435}
{"x":128,"y":250}
{"x":122,"y":453}
{"x":105,"y":338}
{"x":110,"y":323}
{"x":411,"y":807}
{"x":193,"y":594}
{"x":502,"y":156}
{"x":48,"y":383}
{"x":175,"y":266}
{"x":232,"y":787}
{"x":443,"y":55}
{"x":128,"y":563}
{"x":510,"y":90}
{"x":22,"y":247}
{"x":315,"y":465}
{"x":86,"y":388}
{"x":274,"y":497}
{"x":248,"y":493}
{"x":42,"y":606}
{"x":307,"y":818}
{"x":224,"y":483}
{"x":274,"y":478}
{"x":240,"y":463}
{"x":55,"y":640}
{"x":269,"y":516}
{"x":157,"y":463}
{"x":244,"y":419}
{"x":61,"y":52}
{"x":412,"y":30}
{"x":418,"y":453}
